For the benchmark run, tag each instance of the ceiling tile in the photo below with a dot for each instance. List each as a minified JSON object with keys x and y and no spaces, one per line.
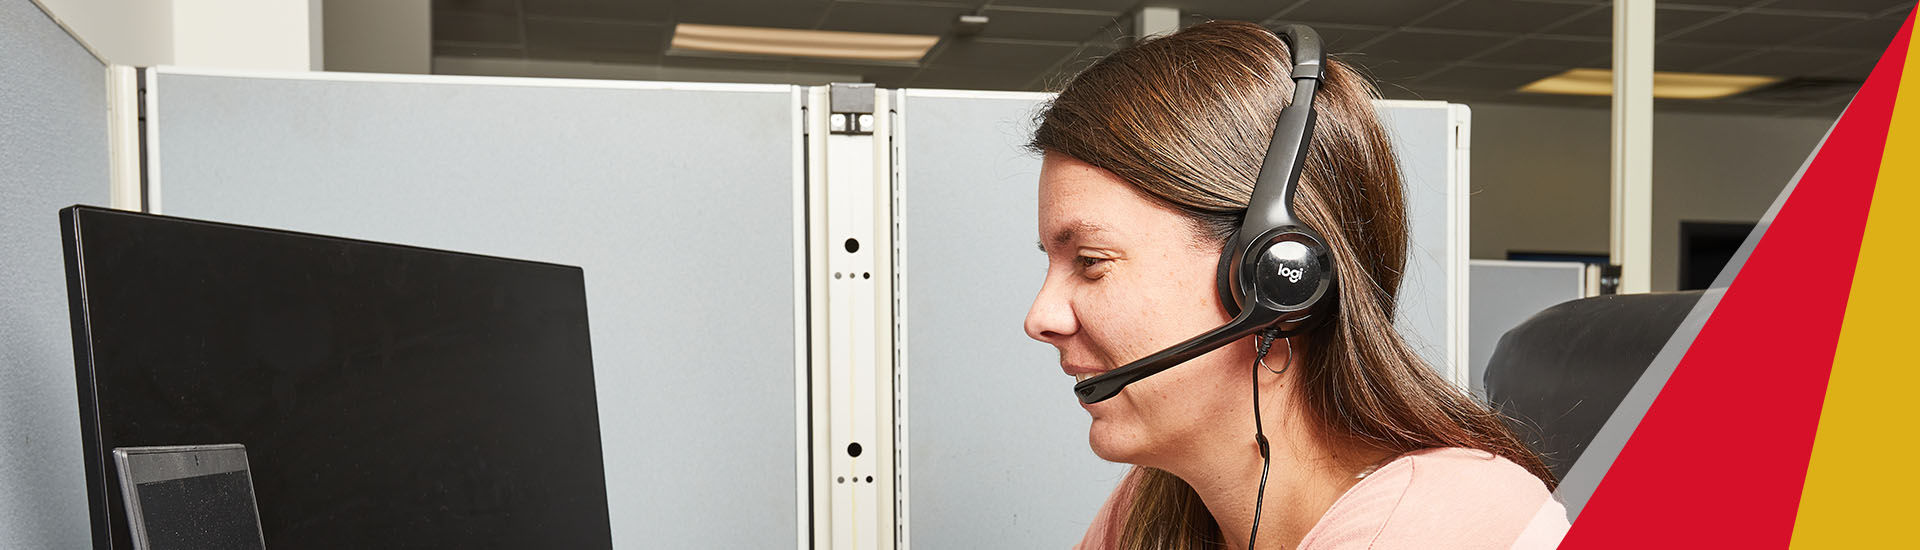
{"x":1112,"y":6}
{"x":1237,"y":10}
{"x":789,"y":14}
{"x":1758,"y":29}
{"x":476,"y":27}
{"x":1728,"y":4}
{"x":1341,"y":38}
{"x":1502,"y":16}
{"x":1790,"y":62}
{"x":1870,"y":7}
{"x":1425,"y":46}
{"x":588,"y":39}
{"x":496,"y":7}
{"x":1032,"y":25}
{"x":1388,"y":72}
{"x":1484,"y":78}
{"x":894,"y":18}
{"x":654,"y":11}
{"x":1391,"y":13}
{"x":1857,"y":69}
{"x":989,"y":54}
{"x":1566,"y":52}
{"x":1599,"y":23}
{"x":1686,"y":57}
{"x":1803,"y":91}
{"x":1872,"y":34}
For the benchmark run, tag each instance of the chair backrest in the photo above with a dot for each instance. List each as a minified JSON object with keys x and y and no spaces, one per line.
{"x":1559,"y":374}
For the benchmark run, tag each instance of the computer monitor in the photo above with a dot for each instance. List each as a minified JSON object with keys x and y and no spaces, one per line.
{"x":388,"y":396}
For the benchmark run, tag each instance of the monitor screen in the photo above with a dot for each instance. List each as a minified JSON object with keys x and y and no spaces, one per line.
{"x":388,"y":395}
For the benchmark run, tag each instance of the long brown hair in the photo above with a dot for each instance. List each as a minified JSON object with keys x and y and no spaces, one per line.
{"x":1186,"y":119}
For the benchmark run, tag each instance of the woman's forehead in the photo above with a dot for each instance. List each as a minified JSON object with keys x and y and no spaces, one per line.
{"x":1080,"y":202}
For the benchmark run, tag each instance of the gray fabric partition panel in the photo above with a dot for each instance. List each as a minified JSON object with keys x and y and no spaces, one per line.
{"x":997,"y":449}
{"x":53,"y":153}
{"x":678,"y":201}
{"x":1420,"y":131}
{"x":1506,"y":293}
{"x":997,"y":452}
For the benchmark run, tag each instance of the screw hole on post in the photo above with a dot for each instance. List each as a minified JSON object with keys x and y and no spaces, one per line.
{"x":853,"y":245}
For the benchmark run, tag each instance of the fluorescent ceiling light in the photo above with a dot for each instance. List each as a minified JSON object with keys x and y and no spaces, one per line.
{"x":802,"y":43}
{"x":1665,"y":84}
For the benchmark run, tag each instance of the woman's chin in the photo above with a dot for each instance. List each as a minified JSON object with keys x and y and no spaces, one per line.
{"x":1110,"y":444}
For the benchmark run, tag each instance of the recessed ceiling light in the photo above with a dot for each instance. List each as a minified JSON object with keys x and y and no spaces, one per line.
{"x":801,"y":43}
{"x":1665,"y":84}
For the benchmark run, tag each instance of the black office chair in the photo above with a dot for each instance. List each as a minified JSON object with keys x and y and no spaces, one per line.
{"x":1560,"y":374}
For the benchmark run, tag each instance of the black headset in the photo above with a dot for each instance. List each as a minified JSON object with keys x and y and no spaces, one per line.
{"x":1275,"y":272}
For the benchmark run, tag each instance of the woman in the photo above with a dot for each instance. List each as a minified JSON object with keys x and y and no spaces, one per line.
{"x":1149,"y":160}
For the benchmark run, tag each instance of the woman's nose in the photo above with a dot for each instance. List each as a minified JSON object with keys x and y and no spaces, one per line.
{"x":1051,"y":317}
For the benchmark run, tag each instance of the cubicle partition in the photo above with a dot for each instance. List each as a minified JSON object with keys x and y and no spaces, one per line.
{"x":1507,"y":293}
{"x":996,"y":444}
{"x":679,"y":201}
{"x":53,"y":154}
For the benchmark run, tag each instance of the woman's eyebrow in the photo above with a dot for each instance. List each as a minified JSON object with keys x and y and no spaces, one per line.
{"x":1072,"y":232}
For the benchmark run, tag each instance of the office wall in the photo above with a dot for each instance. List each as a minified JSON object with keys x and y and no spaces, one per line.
{"x":255,"y":34}
{"x":282,"y":35}
{"x":1541,"y":181}
{"x":136,"y":33}
{"x":53,"y":153}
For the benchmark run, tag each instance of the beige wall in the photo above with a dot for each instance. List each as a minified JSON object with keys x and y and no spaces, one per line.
{"x":128,"y":32}
{"x":1540,"y":176}
{"x":239,"y":34}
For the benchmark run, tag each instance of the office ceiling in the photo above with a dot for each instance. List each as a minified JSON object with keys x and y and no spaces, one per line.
{"x":1457,"y":50}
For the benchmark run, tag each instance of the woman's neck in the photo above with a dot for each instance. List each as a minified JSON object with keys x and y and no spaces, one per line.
{"x":1307,"y":475}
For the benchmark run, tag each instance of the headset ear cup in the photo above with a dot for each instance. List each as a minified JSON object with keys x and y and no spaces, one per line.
{"x":1224,"y":278}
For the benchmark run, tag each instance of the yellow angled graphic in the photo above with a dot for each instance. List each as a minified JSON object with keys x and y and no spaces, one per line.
{"x":1858,"y":492}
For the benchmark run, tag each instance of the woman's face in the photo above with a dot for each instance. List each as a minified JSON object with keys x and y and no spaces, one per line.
{"x":1127,"y":277}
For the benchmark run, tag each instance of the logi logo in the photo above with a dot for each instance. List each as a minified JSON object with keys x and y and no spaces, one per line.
{"x":1292,"y":275}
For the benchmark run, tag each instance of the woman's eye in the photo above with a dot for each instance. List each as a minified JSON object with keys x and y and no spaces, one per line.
{"x":1091,"y":266}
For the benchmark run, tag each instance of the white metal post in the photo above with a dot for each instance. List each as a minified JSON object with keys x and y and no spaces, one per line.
{"x":1459,"y":241}
{"x":1632,"y":212}
{"x":123,"y":136}
{"x":850,"y":193}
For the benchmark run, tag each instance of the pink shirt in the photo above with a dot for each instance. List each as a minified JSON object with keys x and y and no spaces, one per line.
{"x":1433,"y":498}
